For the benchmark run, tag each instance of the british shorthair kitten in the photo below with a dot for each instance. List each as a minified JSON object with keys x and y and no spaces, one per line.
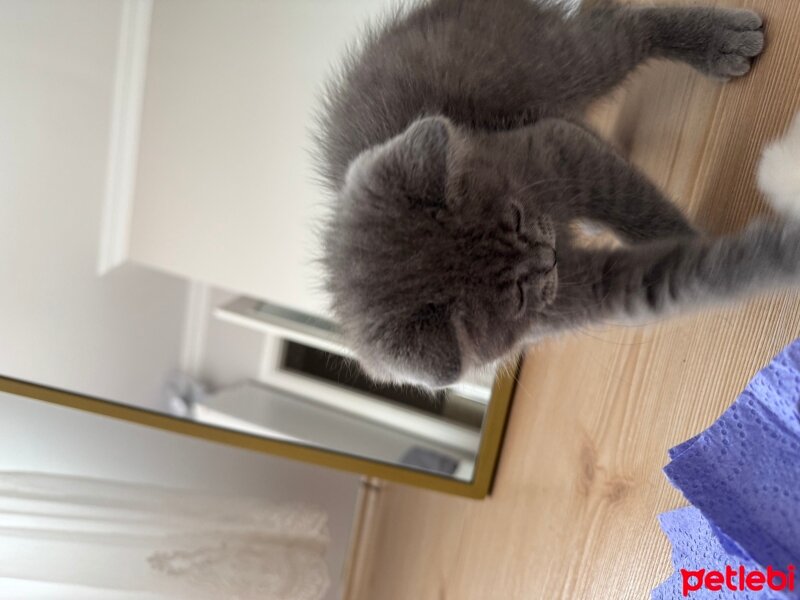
{"x":452,"y":141}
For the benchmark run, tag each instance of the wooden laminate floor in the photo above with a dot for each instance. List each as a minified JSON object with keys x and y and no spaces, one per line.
{"x":573,"y":513}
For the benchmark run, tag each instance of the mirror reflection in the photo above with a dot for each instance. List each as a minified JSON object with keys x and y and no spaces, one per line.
{"x":158,"y":241}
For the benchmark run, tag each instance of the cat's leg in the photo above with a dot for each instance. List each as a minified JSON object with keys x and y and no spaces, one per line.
{"x":598,"y":48}
{"x":718,"y":42}
{"x":674,"y":275}
{"x":596,"y":183}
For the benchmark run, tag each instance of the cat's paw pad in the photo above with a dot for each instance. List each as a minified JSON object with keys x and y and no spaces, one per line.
{"x":735,"y":38}
{"x":779,"y":172}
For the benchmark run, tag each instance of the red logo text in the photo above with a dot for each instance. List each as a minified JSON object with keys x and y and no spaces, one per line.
{"x":738,"y":580}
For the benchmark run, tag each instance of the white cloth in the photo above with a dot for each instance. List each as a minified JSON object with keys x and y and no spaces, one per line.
{"x":147,"y":542}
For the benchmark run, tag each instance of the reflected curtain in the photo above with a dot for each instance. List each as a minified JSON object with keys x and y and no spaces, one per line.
{"x":112,"y":539}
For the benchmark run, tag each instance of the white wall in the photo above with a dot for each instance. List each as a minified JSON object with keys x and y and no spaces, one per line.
{"x":60,"y":324}
{"x":36,"y":436}
{"x":225,"y":191}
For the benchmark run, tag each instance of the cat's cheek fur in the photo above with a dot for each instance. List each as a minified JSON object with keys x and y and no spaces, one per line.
{"x":779,"y":173}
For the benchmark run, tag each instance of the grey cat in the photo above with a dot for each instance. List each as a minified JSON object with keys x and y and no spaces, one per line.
{"x":451,"y":139}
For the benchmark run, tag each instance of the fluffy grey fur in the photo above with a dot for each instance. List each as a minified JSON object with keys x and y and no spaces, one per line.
{"x":451,"y":139}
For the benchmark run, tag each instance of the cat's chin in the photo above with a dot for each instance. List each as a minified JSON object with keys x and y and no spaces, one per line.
{"x":779,"y":173}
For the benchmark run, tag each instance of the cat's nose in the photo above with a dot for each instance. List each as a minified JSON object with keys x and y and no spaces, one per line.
{"x":544,"y":258}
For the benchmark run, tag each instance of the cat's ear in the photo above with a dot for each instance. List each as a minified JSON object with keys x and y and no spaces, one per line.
{"x":411,"y":165}
{"x":423,"y":146}
{"x":417,"y":158}
{"x":428,"y":344}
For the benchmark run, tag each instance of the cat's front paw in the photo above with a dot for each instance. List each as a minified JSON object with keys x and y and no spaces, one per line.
{"x":734,"y":37}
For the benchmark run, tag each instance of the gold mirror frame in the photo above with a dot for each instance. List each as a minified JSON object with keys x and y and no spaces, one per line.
{"x":492,"y":433}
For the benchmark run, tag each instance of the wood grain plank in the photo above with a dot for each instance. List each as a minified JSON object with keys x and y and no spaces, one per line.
{"x":579,"y":486}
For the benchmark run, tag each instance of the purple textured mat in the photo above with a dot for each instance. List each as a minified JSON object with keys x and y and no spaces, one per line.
{"x":743,"y":476}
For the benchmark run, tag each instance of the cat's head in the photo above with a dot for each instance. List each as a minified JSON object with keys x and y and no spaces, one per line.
{"x":434,"y":267}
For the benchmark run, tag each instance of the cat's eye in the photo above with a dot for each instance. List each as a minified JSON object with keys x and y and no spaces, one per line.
{"x":520,"y":298}
{"x":517,"y":214}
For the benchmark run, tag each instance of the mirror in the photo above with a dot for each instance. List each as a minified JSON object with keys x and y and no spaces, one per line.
{"x":159,"y":244}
